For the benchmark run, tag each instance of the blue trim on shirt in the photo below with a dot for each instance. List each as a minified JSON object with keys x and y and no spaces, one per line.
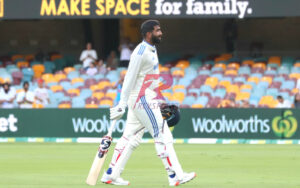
{"x":141,"y":50}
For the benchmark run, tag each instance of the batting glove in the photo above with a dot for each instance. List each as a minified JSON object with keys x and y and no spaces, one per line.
{"x":117,"y":112}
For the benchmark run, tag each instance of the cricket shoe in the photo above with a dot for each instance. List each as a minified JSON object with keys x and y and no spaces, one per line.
{"x":119,"y":181}
{"x":174,"y":181}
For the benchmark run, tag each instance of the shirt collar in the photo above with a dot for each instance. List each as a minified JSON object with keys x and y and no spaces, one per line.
{"x":152,"y":47}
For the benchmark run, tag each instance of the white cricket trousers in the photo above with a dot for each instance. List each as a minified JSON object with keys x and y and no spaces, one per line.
{"x":145,"y":114}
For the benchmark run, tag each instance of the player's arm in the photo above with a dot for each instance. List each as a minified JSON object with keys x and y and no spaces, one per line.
{"x":130,"y":77}
{"x":129,"y":81}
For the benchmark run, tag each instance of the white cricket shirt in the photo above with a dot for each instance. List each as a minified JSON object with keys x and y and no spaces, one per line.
{"x":143,"y":61}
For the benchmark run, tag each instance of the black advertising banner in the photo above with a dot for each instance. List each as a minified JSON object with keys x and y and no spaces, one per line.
{"x":62,"y":9}
{"x":194,"y":123}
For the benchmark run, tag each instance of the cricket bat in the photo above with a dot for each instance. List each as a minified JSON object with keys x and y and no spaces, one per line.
{"x":100,"y":156}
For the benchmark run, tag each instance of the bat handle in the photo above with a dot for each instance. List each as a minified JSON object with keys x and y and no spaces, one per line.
{"x":111,"y":128}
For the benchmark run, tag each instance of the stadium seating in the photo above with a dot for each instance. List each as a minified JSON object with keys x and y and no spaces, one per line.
{"x":198,"y":82}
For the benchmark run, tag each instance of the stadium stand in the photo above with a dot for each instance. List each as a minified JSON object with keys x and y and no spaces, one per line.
{"x":198,"y":82}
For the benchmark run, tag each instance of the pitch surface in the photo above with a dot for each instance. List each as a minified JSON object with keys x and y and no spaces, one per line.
{"x":44,"y":165}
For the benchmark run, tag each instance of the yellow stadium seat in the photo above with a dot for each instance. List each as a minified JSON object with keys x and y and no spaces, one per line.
{"x":64,"y":105}
{"x":295,"y":75}
{"x":91,"y":106}
{"x":253,"y":79}
{"x":167,"y":95}
{"x":123,"y":72}
{"x":220,"y":65}
{"x":225,"y":83}
{"x":297,"y":64}
{"x":98,"y":95}
{"x":22,"y":64}
{"x":295,"y":91}
{"x":17,"y":56}
{"x":69,"y":69}
{"x":179,"y":73}
{"x":56,"y":88}
{"x":183,"y":64}
{"x":231,"y":72}
{"x":227,"y":55}
{"x":259,"y":65}
{"x":248,"y":62}
{"x":267,"y":79}
{"x":233,"y":65}
{"x":212,"y":82}
{"x":59,"y":77}
{"x":197,"y":106}
{"x":95,"y":87}
{"x":34,"y":105}
{"x":224,"y":103}
{"x":242,"y":96}
{"x":29,"y":57}
{"x":112,"y":95}
{"x":56,"y":56}
{"x":220,"y":59}
{"x":273,"y":104}
{"x":107,"y":102}
{"x":77,"y":80}
{"x":246,"y":86}
{"x":75,"y":90}
{"x":178,"y":96}
{"x":274,"y":60}
{"x":38,"y":70}
{"x":50,"y":80}
{"x":7,"y":80}
{"x":104,"y":84}
{"x":233,"y":89}
{"x":47,"y":76}
{"x":267,"y":100}
{"x":163,"y":69}
{"x":176,"y":87}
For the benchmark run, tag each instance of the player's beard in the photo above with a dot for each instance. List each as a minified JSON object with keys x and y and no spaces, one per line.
{"x":155,"y":39}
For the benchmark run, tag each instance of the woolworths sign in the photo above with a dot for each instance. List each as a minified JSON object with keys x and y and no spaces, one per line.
{"x":225,"y":125}
{"x":239,"y":123}
{"x":194,"y":123}
{"x":100,"y":125}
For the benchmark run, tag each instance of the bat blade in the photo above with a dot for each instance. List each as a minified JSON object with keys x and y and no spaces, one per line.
{"x":100,"y":156}
{"x":99,"y":160}
{"x":95,"y":169}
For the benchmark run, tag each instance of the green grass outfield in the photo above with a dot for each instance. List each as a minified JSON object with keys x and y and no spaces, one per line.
{"x":34,"y":165}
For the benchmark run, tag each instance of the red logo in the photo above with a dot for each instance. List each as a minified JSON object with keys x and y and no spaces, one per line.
{"x":166,"y":83}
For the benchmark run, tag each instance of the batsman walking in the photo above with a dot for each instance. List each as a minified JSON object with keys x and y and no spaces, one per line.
{"x":143,"y":112}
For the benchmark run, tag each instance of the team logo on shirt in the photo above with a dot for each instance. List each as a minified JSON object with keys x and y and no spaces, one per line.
{"x":286,"y":126}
